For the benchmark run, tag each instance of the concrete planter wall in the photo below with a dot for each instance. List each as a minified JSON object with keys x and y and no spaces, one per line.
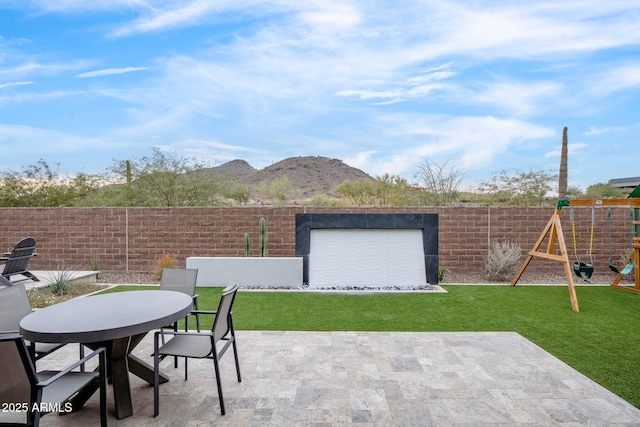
{"x":279,"y":272}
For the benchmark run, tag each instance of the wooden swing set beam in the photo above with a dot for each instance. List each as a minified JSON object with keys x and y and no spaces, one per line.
{"x":605,"y":202}
{"x":553,"y":230}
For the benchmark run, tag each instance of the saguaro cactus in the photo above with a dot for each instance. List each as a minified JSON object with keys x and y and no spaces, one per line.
{"x":247,"y":244}
{"x":263,"y":243}
{"x":264,"y":238}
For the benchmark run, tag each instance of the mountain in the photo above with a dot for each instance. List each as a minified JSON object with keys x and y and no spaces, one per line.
{"x":308,"y":175}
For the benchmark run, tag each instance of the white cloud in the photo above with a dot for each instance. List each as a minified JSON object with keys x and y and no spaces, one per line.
{"x":333,"y":15}
{"x":10,"y":84}
{"x":182,"y":15}
{"x":412,"y":87}
{"x":34,"y":68}
{"x":164,"y":16}
{"x":83,"y":6}
{"x":212,"y":152}
{"x":596,"y":131}
{"x":615,"y":79}
{"x":36,"y":98}
{"x":515,"y":97}
{"x":486,"y":31}
{"x":110,"y":72}
{"x":473,"y":143}
{"x":216,"y":145}
{"x":40,"y":140}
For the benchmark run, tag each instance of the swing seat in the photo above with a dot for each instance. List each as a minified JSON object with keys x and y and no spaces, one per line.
{"x":626,"y":270}
{"x":582,"y":270}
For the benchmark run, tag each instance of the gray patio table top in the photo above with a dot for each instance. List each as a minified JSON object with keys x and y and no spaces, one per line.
{"x":117,"y":321}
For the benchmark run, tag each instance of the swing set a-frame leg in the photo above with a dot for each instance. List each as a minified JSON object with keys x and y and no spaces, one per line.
{"x":553,"y":230}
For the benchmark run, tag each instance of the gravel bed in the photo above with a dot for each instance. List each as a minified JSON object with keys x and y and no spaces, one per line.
{"x":599,"y":278}
{"x":602,"y":277}
{"x":127,"y":278}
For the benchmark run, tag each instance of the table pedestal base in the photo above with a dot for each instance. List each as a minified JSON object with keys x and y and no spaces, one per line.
{"x":120,"y":362}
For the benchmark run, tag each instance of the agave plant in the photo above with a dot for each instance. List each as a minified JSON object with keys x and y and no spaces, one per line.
{"x":60,"y":279}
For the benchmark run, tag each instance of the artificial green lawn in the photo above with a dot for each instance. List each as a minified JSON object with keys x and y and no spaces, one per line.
{"x":601,"y":341}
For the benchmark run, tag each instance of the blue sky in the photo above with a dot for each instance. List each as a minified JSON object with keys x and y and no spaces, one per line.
{"x":482,"y":85}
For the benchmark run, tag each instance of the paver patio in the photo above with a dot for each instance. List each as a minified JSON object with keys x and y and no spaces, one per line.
{"x":370,"y":379}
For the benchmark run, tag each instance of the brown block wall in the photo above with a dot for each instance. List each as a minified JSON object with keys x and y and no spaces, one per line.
{"x":133,"y":239}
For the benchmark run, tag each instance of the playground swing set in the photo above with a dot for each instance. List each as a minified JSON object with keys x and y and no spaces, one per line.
{"x":553,"y":234}
{"x":583,"y":270}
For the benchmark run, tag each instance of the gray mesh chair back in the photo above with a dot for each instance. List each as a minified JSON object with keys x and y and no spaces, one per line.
{"x":45,"y":390}
{"x":212,"y":345}
{"x":16,"y":384}
{"x":181,"y":280}
{"x":223,"y":324}
{"x":14,"y":305}
{"x":18,"y":259}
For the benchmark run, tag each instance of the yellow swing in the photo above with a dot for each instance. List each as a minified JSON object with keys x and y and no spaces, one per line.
{"x":583,"y":270}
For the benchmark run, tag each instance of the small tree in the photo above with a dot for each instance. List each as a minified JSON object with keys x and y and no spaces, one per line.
{"x":164,"y":179}
{"x":440,"y":181}
{"x":395,"y":190}
{"x":385,"y":190}
{"x":362,"y":192}
{"x":240,"y":193}
{"x":39,"y":185}
{"x":601,"y":190}
{"x":574,"y":192}
{"x":521,"y":188}
{"x":280,"y":190}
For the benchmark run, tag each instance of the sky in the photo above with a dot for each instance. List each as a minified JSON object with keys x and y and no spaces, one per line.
{"x":476,"y":86}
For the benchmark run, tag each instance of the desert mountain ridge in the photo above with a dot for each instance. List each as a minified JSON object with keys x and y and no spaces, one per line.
{"x":308,"y":175}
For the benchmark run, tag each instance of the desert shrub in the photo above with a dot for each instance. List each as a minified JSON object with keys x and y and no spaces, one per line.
{"x":167,"y":260}
{"x":59,"y":280}
{"x":442,"y":271}
{"x":503,"y":261}
{"x":95,"y":262}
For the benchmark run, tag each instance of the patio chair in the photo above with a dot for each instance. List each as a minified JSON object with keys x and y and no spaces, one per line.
{"x":17,"y":260}
{"x":181,"y":280}
{"x":39,"y":393}
{"x":211,"y":345}
{"x":14,"y":305}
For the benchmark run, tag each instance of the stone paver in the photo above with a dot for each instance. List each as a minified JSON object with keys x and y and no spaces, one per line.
{"x":370,"y":379}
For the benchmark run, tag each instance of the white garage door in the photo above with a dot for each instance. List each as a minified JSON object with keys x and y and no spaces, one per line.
{"x":370,"y":258}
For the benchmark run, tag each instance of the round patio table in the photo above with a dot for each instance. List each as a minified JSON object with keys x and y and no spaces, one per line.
{"x":117,"y":321}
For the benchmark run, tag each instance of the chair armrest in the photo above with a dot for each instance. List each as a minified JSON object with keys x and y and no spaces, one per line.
{"x":164,"y":332}
{"x":203,"y":312}
{"x":71,"y":367}
{"x":11,"y":331}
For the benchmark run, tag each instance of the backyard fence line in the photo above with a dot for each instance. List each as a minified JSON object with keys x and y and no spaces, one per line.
{"x":134,"y":238}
